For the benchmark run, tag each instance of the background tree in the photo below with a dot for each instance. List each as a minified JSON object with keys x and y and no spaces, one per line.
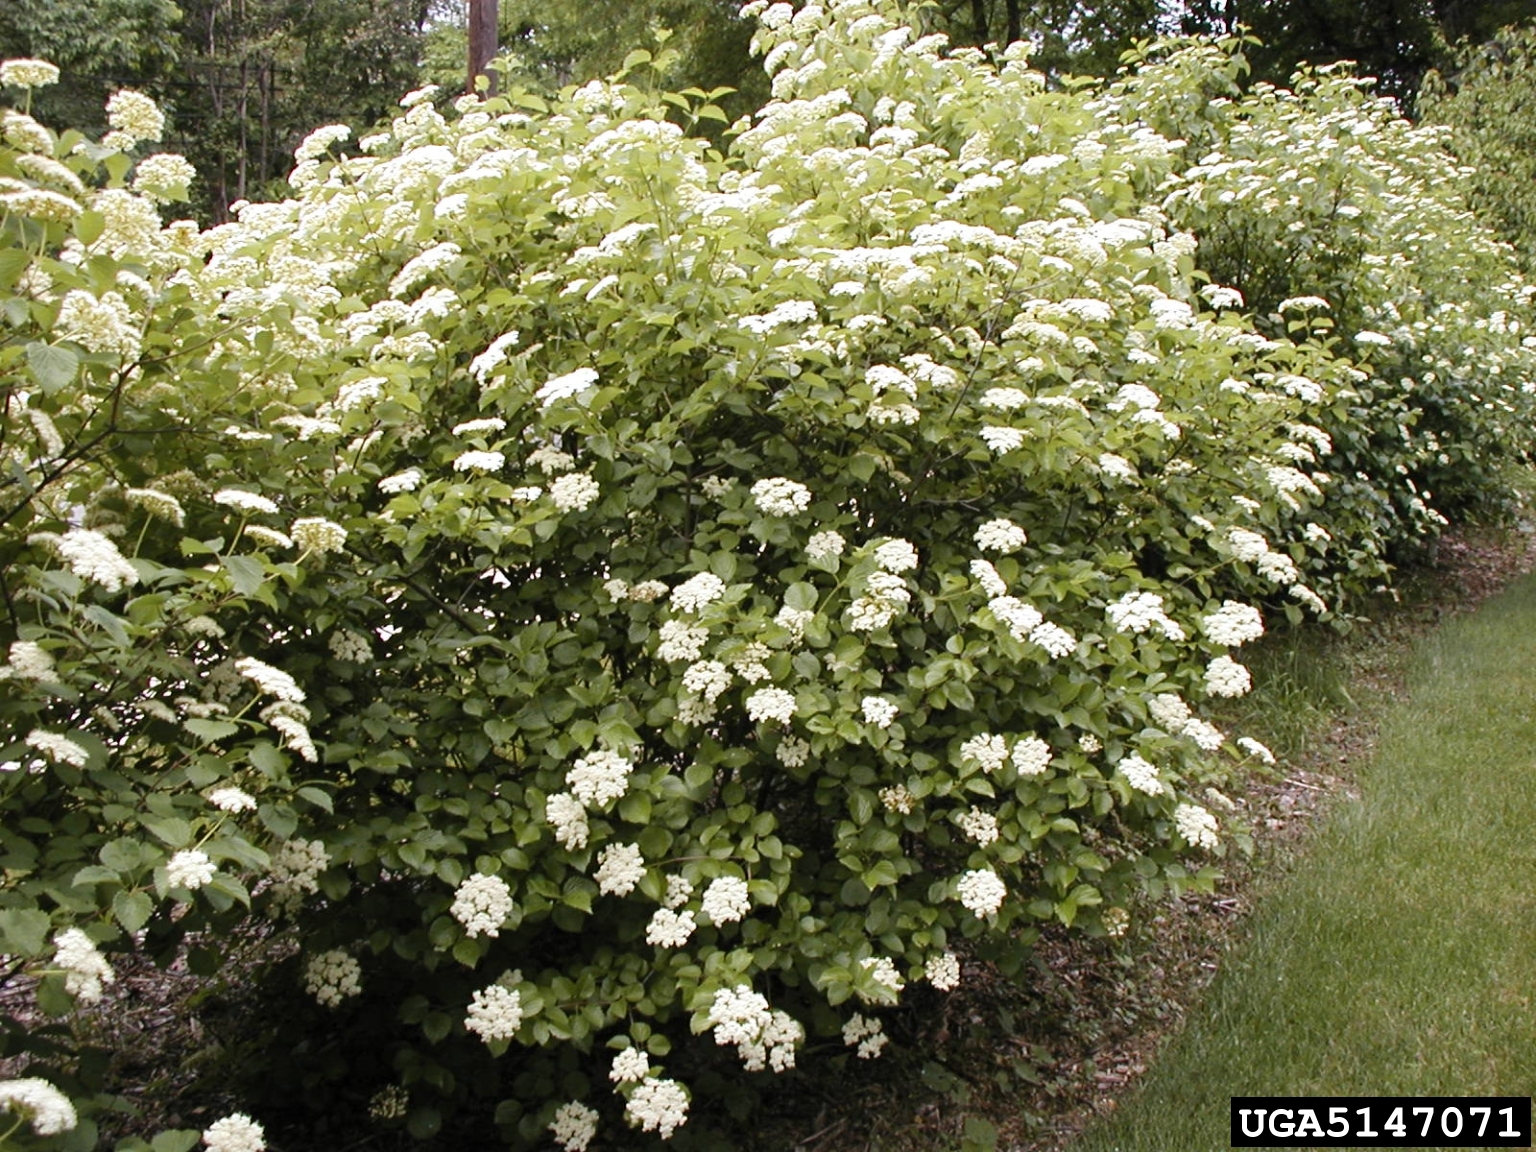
{"x":1485,"y":101}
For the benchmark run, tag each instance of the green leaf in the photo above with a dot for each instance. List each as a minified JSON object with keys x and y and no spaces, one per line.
{"x":172,"y":830}
{"x":52,"y":367}
{"x":24,"y":931}
{"x":132,"y":909}
{"x":176,"y":1140}
{"x":246,"y":575}
{"x":210,"y":730}
{"x":122,"y":855}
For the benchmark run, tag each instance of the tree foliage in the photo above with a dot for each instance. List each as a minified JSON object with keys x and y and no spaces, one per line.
{"x":622,"y":618}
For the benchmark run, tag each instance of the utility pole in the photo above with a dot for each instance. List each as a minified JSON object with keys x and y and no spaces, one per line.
{"x":482,"y":42}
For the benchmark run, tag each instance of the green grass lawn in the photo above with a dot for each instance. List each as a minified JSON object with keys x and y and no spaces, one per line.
{"x":1398,"y":956}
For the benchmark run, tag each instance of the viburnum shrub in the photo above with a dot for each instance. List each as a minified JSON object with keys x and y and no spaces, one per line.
{"x":615,"y":617}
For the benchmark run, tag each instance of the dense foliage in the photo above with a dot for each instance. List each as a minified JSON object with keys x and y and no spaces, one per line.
{"x":626,"y":615}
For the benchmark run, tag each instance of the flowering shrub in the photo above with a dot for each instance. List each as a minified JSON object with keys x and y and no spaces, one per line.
{"x":593,"y":592}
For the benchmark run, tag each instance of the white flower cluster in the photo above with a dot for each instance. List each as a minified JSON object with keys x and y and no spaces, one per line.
{"x":1000,"y":536}
{"x":658,"y":1105}
{"x":883,"y":970}
{"x":879,"y":711}
{"x":574,"y":1126}
{"x":236,"y":1132}
{"x":1196,"y":825}
{"x":189,"y":868}
{"x":896,"y":555}
{"x":49,"y":1110}
{"x":868,"y":1033}
{"x":669,"y":929}
{"x":23,"y":73}
{"x":272,"y":681}
{"x":771,"y":704}
{"x":85,"y":969}
{"x":630,"y":1066}
{"x":569,"y":817}
{"x":780,"y":497}
{"x":135,"y":115}
{"x":943,"y":971}
{"x":1251,"y":746}
{"x":982,"y":891}
{"x":318,"y":535}
{"x":986,"y":750}
{"x":1141,"y":775}
{"x":482,"y":904}
{"x":57,"y":747}
{"x":698,"y":590}
{"x":28,"y":661}
{"x":574,"y":492}
{"x":92,"y":556}
{"x":1138,"y":612}
{"x":332,"y":976}
{"x":978,"y":825}
{"x":680,"y":641}
{"x":495,"y":1013}
{"x":564,"y":387}
{"x":1226,"y":677}
{"x":599,"y":777}
{"x":763,"y":1038}
{"x":885,"y":597}
{"x":827,"y":545}
{"x":620,"y":867}
{"x":295,"y":872}
{"x":726,"y":900}
{"x":1233,"y":624}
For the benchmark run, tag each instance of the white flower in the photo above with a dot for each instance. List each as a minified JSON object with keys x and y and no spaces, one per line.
{"x":1254,"y":748}
{"x":943,"y":971}
{"x":189,"y":868}
{"x":1204,"y":734}
{"x":85,"y":969}
{"x":698,"y":590}
{"x":564,"y":387}
{"x":1056,"y":640}
{"x":726,"y":900}
{"x":57,"y":747}
{"x":1233,"y":624}
{"x":482,"y":903}
{"x":574,"y":492}
{"x":1001,"y":440}
{"x":669,"y":929}
{"x":883,"y":969}
{"x":135,"y":115}
{"x":678,"y":892}
{"x":236,"y":1132}
{"x":981,"y":891}
{"x":28,"y":74}
{"x":1020,"y":618}
{"x":232,"y":800}
{"x":1169,"y":710}
{"x":659,"y":1106}
{"x":1196,"y":825}
{"x":619,"y":868}
{"x":28,"y":661}
{"x":979,"y":826}
{"x":1226,"y":677}
{"x":332,"y":976}
{"x":272,"y":681}
{"x":1141,"y":775}
{"x":92,"y":556}
{"x":825,"y":545}
{"x":629,"y":1065}
{"x":780,"y":497}
{"x":493,"y":357}
{"x":48,"y":1109}
{"x":879,"y":711}
{"x":157,"y":504}
{"x":897,"y":799}
{"x":267,"y":537}
{"x":896,"y":556}
{"x":793,"y":752}
{"x":1031,"y":756}
{"x":569,"y":817}
{"x":316,"y":534}
{"x":771,"y":704}
{"x":551,"y":460}
{"x":680,"y":641}
{"x":985,"y":574}
{"x":494,"y":1013}
{"x":479,"y":461}
{"x":244,"y":501}
{"x":647,"y":591}
{"x":986,"y":750}
{"x":574,"y":1126}
{"x":1000,"y":536}
{"x":866,"y":1032}
{"x":599,"y":777}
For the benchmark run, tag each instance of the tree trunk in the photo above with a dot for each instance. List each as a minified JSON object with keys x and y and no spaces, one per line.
{"x":482,"y":42}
